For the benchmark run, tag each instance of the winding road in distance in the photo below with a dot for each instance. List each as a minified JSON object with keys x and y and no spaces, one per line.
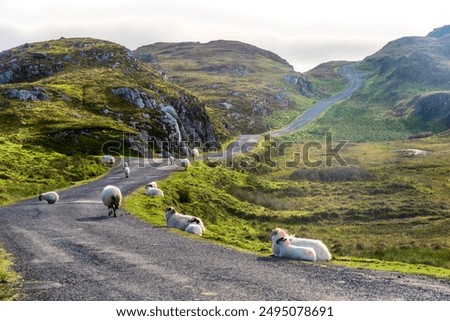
{"x":73,"y":250}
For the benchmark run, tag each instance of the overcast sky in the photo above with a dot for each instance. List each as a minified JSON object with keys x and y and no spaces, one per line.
{"x":305,"y":33}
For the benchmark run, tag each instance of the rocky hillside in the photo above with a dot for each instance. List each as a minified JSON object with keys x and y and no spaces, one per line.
{"x":90,"y":96}
{"x":412,"y":75}
{"x":247,"y":87}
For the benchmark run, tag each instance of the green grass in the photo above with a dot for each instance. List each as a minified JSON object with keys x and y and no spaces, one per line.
{"x":8,"y":278}
{"x":392,"y":213}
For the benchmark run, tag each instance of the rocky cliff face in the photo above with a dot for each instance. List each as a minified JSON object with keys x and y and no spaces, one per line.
{"x":93,"y":90}
{"x":434,"y":107}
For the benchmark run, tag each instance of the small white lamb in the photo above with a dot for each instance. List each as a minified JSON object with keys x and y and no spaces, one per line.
{"x":322,"y":252}
{"x":195,"y":153}
{"x":150,"y":191}
{"x":126,"y":170}
{"x":194,"y":227}
{"x":296,"y":252}
{"x":185,"y":163}
{"x":50,"y":197}
{"x":181,"y":221}
{"x":112,"y":198}
{"x":152,"y":185}
{"x":171,"y":160}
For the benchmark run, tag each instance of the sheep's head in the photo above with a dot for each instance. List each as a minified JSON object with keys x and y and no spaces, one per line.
{"x":194,"y":220}
{"x":40,"y":197}
{"x":170,"y":209}
{"x":277,"y":233}
{"x":282,"y":240}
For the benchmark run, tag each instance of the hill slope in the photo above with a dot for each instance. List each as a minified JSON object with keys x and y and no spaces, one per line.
{"x":251,"y":89}
{"x":66,"y":99}
{"x":406,"y":93}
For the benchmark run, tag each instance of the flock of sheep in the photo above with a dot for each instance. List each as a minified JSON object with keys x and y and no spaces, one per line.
{"x":283,"y":244}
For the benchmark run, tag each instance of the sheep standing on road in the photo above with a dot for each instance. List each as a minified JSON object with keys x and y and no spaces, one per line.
{"x":171,"y":160}
{"x":109,"y":160}
{"x":185,"y":163}
{"x":112,"y":198}
{"x":181,"y":221}
{"x":322,"y":252}
{"x":296,"y":252}
{"x":50,"y":197}
{"x":195,"y":153}
{"x":126,"y":170}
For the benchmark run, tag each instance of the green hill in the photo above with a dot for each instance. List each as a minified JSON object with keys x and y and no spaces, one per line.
{"x":250,"y":89}
{"x":63,"y":99}
{"x":406,"y":93}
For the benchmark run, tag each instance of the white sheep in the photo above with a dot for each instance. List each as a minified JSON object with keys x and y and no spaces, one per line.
{"x":185,"y":163}
{"x":154,"y":192}
{"x":50,"y":197}
{"x":112,"y":198}
{"x":296,"y":252}
{"x":194,"y":227}
{"x":181,"y":221}
{"x":322,"y":252}
{"x":171,"y":160}
{"x":125,"y":164}
{"x":109,"y":160}
{"x":195,"y":153}
{"x":152,"y":185}
{"x":126,"y":170}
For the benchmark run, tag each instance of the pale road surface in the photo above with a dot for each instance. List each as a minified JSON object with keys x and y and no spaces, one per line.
{"x":73,"y":250}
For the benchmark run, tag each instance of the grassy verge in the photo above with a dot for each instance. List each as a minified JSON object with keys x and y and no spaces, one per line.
{"x":8,"y":278}
{"x":382,"y":211}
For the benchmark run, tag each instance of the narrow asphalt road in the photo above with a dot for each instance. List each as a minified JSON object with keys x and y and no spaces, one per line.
{"x":73,"y":250}
{"x":355,"y":82}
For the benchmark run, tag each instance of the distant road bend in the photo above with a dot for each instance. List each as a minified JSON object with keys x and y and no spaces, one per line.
{"x":73,"y":250}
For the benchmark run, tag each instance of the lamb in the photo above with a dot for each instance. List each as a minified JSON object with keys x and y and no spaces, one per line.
{"x":194,"y":227}
{"x":195,"y":153}
{"x":50,"y":197}
{"x":154,"y":192}
{"x":152,"y":185}
{"x":109,"y":160}
{"x":182,"y":221}
{"x":126,"y":170}
{"x":171,"y":160}
{"x":322,"y":252}
{"x":112,"y":198}
{"x":125,"y":164}
{"x":296,"y":252}
{"x":185,"y":163}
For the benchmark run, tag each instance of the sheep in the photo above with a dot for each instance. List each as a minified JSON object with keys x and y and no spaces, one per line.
{"x":109,"y":160}
{"x":194,"y":227}
{"x":181,"y":221}
{"x":50,"y":197}
{"x":152,"y":185}
{"x":185,"y":163}
{"x":296,"y":252}
{"x":154,"y":192}
{"x":126,"y":170}
{"x":112,"y":198}
{"x":171,"y":160}
{"x":195,"y":153}
{"x":322,"y":252}
{"x":125,"y":164}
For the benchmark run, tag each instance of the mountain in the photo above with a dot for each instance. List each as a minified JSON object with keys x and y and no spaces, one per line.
{"x":249,"y":89}
{"x":84,"y":95}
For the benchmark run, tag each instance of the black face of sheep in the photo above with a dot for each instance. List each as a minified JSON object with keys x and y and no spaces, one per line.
{"x":194,"y":220}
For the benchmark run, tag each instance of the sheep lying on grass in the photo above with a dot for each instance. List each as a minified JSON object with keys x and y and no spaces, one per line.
{"x":182,"y":221}
{"x":322,"y":252}
{"x":194,"y":227}
{"x":150,"y":191}
{"x":50,"y":197}
{"x":152,"y":185}
{"x":185,"y":163}
{"x":296,"y":252}
{"x":112,"y":198}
